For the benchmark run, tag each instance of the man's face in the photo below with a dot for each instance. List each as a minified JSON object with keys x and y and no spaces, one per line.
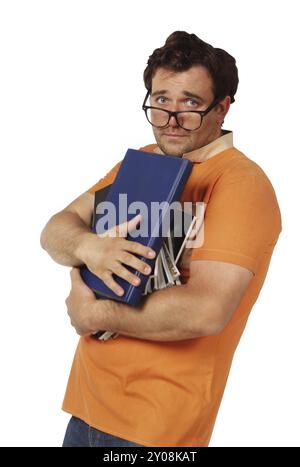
{"x":186,"y":90}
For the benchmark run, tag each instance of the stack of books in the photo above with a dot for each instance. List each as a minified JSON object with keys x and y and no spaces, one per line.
{"x":166,"y":272}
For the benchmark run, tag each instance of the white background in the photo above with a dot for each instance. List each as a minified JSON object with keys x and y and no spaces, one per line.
{"x":66,"y":68}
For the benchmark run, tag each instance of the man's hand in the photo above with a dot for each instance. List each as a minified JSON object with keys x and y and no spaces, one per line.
{"x":109,"y":253}
{"x":80,"y":304}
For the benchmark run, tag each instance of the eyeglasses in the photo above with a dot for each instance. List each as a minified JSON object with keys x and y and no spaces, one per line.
{"x":189,"y":120}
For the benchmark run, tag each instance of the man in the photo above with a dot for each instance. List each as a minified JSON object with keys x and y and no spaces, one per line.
{"x":160,"y":383}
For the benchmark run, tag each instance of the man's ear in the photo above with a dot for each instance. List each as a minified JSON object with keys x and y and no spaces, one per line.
{"x":223,"y":107}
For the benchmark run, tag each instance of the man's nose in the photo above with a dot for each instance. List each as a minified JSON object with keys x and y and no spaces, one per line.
{"x":173,"y":122}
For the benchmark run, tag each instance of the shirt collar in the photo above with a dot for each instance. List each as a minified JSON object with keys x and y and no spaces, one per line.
{"x":225,"y":141}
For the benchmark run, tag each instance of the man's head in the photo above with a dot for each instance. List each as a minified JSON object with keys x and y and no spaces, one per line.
{"x":189,"y":74}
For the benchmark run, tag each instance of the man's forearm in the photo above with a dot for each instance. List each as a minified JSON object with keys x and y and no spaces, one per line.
{"x":62,"y":237}
{"x":170,"y":314}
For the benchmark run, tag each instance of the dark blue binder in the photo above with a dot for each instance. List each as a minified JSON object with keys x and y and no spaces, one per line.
{"x":147,"y":178}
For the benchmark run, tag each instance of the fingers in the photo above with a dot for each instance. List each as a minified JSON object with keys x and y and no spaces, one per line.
{"x":112,"y":284}
{"x":125,"y":274}
{"x":130,"y":260}
{"x":113,"y":255}
{"x":139,"y":249}
{"x":121,"y":271}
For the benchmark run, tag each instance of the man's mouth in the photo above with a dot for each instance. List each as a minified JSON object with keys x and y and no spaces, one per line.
{"x":174,"y":135}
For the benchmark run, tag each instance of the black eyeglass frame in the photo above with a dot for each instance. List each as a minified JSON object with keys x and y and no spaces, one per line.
{"x":202,"y":113}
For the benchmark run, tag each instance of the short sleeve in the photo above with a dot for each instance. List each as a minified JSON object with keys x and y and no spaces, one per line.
{"x":242,"y":222}
{"x":108,"y":179}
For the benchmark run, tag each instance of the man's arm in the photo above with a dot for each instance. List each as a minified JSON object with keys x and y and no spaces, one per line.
{"x":69,"y":240}
{"x":202,"y":307}
{"x":63,"y":235}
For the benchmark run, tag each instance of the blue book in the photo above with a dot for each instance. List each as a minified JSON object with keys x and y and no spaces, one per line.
{"x":143,"y":179}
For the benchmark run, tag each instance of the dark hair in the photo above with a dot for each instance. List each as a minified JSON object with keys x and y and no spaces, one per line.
{"x":182,"y":51}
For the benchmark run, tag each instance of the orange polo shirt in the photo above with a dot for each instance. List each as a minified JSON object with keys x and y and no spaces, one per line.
{"x":168,"y":393}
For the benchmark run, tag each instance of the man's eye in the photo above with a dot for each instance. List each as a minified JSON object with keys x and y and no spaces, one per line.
{"x":192,"y":103}
{"x":161,"y":100}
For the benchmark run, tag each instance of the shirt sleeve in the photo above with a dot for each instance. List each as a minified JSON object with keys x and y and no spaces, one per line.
{"x":241,"y":223}
{"x":108,"y":179}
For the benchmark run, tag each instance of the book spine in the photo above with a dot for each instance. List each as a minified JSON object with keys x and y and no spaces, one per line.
{"x":133,"y":293}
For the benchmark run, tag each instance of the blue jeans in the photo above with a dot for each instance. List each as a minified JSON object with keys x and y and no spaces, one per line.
{"x":79,"y":434}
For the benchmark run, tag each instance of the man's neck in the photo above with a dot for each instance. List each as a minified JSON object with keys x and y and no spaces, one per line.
{"x":201,"y":154}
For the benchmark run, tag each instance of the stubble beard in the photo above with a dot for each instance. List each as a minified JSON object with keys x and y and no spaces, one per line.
{"x":172,"y":149}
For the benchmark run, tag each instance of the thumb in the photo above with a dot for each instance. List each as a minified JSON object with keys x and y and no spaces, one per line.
{"x":129,"y":226}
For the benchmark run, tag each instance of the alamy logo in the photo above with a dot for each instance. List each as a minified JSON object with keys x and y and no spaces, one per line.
{"x":162,"y":219}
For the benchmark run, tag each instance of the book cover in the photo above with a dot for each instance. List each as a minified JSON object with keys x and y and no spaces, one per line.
{"x":147,"y":183}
